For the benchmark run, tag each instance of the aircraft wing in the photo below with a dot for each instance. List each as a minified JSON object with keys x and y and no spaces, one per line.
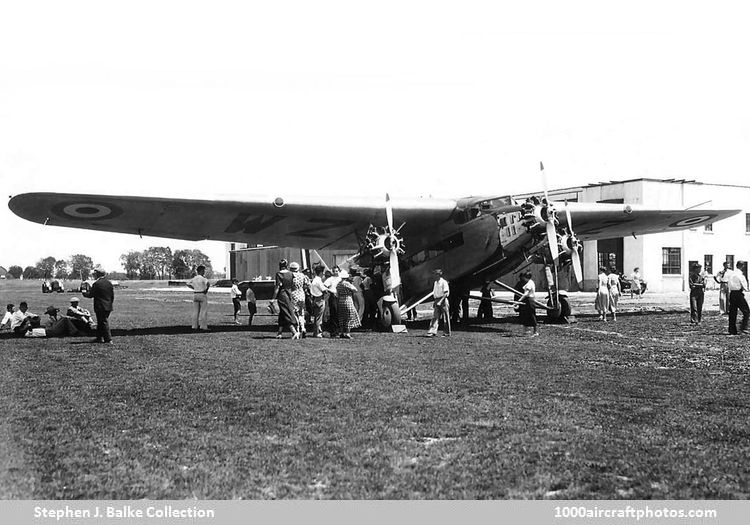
{"x":304,"y":222}
{"x":603,"y":221}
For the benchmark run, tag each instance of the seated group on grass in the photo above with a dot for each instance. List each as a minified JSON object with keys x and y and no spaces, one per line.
{"x":26,"y":324}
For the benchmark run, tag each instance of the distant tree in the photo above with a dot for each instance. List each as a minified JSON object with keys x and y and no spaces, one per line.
{"x":131,"y":263}
{"x":160,"y":258}
{"x":61,"y":269}
{"x":80,"y":266}
{"x":185,"y":262}
{"x":32,"y":272}
{"x":15,"y":271}
{"x":46,"y":267}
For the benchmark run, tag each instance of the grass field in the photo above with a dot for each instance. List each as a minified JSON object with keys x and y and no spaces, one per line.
{"x":647,"y":407}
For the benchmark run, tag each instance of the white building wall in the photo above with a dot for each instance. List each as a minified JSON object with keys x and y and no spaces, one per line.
{"x":645,"y":252}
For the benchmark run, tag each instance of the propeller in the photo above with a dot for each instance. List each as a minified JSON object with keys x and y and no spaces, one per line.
{"x":550,"y":219}
{"x":575,"y":255}
{"x":394,"y":244}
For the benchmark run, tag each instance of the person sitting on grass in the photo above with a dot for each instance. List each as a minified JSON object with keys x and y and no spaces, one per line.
{"x":58,"y":326}
{"x":22,"y":320}
{"x":79,"y":316}
{"x":7,"y":317}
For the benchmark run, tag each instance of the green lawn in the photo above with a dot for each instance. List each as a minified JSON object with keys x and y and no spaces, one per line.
{"x":648,"y":407}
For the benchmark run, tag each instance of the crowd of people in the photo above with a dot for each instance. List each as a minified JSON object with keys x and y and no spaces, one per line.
{"x":324,"y":299}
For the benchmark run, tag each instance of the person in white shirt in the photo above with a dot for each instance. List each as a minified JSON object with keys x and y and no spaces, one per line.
{"x":737,"y":286}
{"x":318,"y":291}
{"x":22,"y":320}
{"x":235,"y":295}
{"x":80,"y":316}
{"x":7,"y":317}
{"x":440,"y":294}
{"x":200,"y":286}
{"x":527,"y":311}
{"x":721,"y":278}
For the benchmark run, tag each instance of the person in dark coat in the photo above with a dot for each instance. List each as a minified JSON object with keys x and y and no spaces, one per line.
{"x":697,"y":284}
{"x":103,"y":294}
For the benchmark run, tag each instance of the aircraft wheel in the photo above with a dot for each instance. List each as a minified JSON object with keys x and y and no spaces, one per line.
{"x":390,"y":314}
{"x":562,"y":310}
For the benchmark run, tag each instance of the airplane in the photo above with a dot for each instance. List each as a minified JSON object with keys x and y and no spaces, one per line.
{"x":472,"y":239}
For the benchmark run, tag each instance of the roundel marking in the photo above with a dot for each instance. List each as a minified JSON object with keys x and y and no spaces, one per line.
{"x":692,"y":221}
{"x":87,"y":211}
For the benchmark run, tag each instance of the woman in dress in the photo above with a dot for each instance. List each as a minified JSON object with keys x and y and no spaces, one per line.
{"x":300,"y":284}
{"x":614,"y":291}
{"x":282,"y":292}
{"x":602,"y":294}
{"x":348,"y":317}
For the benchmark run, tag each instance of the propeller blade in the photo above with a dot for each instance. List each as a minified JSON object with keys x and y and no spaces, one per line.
{"x":395,"y":272}
{"x":544,"y":182}
{"x":552,"y":239}
{"x":575,"y":256}
{"x":577,"y":270}
{"x":389,"y":212}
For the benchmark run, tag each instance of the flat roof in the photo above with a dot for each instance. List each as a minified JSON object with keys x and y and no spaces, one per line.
{"x":648,"y":179}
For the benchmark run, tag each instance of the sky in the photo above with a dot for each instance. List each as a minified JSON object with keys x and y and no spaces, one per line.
{"x":193,"y":99}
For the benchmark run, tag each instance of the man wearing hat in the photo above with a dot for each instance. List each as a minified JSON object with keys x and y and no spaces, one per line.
{"x":103,"y":294}
{"x":80,"y":317}
{"x":697,"y":284}
{"x":58,"y":326}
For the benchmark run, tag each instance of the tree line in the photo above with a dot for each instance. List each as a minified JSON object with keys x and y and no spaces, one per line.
{"x":77,"y":266}
{"x":156,"y":262}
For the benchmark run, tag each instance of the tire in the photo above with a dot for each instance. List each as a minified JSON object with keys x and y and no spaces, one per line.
{"x":390,"y":314}
{"x":562,"y":310}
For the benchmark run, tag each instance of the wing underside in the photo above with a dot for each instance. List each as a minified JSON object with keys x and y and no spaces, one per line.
{"x":603,"y":221}
{"x":300,"y":222}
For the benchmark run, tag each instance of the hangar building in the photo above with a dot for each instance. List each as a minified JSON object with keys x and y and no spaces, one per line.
{"x":664,"y":258}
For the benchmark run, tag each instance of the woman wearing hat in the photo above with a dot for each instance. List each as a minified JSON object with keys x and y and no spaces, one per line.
{"x":348,"y":317}
{"x":282,"y":293}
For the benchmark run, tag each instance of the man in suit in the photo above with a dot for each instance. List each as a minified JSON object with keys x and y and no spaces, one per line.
{"x":103,"y":294}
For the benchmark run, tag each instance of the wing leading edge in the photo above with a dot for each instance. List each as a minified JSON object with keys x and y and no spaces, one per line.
{"x":304,"y":222}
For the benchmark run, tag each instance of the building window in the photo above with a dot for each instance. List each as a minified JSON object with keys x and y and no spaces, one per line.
{"x":708,"y":263}
{"x":709,"y":227}
{"x":608,"y":260}
{"x":671,"y":263}
{"x":730,"y":261}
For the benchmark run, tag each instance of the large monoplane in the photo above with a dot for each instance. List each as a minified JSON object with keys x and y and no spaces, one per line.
{"x":473,"y":239}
